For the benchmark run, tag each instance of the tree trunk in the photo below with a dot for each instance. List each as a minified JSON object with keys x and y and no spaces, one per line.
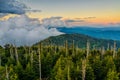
{"x":68,"y":67}
{"x":114,"y":50}
{"x":88,"y":48}
{"x":11,"y":52}
{"x":39,"y":51}
{"x":0,"y":61}
{"x":16,"y":55}
{"x":7,"y":74}
{"x":83,"y":69}
{"x":73,"y":48}
{"x":102,"y":52}
{"x":66,"y":48}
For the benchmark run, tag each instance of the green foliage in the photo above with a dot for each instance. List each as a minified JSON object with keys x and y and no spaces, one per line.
{"x":89,"y":73}
{"x":57,"y":65}
{"x":2,"y":73}
{"x":80,"y":40}
{"x":112,"y":75}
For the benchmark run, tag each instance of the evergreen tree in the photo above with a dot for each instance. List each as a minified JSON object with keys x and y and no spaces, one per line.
{"x":112,"y":75}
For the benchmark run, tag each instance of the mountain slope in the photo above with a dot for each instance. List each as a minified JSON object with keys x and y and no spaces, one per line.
{"x":79,"y":40}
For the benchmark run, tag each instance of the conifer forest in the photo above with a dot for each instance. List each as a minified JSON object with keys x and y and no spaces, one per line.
{"x":41,"y":62}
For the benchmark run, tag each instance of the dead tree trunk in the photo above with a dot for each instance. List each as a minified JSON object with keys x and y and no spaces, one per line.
{"x":114,"y":50}
{"x":66,"y":48}
{"x":68,"y":69}
{"x":39,"y":51}
{"x":88,"y":48}
{"x":11,"y":52}
{"x":16,"y":55}
{"x":102,"y":52}
{"x":0,"y":61}
{"x":7,"y":73}
{"x":73,"y":52}
{"x":83,"y":69}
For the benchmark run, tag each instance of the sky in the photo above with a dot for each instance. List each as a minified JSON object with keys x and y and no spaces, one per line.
{"x":25,"y":22}
{"x":93,"y":12}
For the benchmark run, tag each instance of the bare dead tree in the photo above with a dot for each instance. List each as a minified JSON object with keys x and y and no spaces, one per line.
{"x":0,"y":61}
{"x":66,"y":47}
{"x":7,"y":73}
{"x":103,"y":51}
{"x":73,"y":47}
{"x":114,"y":50}
{"x":88,"y":48}
{"x":39,"y":52}
{"x":68,"y":69}
{"x":16,"y":55}
{"x":83,"y":69}
{"x":11,"y":51}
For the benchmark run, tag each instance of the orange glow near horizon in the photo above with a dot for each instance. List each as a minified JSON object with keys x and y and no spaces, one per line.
{"x":97,"y":20}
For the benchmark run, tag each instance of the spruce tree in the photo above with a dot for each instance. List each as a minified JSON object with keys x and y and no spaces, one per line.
{"x":112,"y":75}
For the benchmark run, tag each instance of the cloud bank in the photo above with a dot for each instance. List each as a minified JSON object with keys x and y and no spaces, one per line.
{"x":53,"y":22}
{"x":22,"y":30}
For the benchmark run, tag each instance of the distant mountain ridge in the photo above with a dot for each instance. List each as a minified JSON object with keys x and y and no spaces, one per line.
{"x":103,"y":33}
{"x":80,"y":40}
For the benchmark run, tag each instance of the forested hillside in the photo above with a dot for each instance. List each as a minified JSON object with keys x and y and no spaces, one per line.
{"x":79,"y":41}
{"x":50,"y":62}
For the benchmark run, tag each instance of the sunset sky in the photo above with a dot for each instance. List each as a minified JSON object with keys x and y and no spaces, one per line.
{"x":91,"y":11}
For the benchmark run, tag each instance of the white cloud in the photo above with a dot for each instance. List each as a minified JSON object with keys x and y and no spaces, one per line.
{"x":23,"y":30}
{"x":53,"y":22}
